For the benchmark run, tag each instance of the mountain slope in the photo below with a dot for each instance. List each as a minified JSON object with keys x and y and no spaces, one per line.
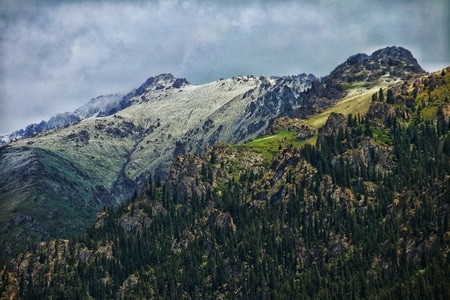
{"x":99,"y":106}
{"x":363,"y":213}
{"x":104,"y":160}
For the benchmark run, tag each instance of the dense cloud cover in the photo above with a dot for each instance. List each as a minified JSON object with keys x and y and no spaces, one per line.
{"x":56,"y":55}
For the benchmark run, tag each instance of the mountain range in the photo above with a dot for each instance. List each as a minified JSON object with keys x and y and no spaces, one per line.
{"x":57,"y":175}
{"x":248,"y":187}
{"x":96,"y":107}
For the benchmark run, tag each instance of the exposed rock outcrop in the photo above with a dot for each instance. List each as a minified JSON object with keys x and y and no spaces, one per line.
{"x":390,"y":61}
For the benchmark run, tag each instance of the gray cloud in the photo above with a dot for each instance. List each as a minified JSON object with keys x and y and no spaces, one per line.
{"x":56,"y":55}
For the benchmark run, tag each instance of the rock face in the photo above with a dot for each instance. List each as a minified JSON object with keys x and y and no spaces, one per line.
{"x":390,"y":61}
{"x":303,"y":130}
{"x":103,"y":160}
{"x":334,"y":122}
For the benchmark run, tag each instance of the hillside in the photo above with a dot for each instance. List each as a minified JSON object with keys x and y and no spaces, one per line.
{"x":353,"y":207}
{"x":52,"y":184}
{"x":102,"y":161}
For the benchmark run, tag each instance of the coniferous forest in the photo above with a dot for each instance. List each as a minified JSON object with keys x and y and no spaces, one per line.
{"x":317,"y":222}
{"x":359,"y":211}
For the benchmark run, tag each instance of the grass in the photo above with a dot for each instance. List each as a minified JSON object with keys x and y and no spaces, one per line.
{"x":439,"y":94}
{"x":269,"y":146}
{"x":434,"y":98}
{"x":356,"y":102}
{"x":429,"y":112}
{"x":55,"y":193}
{"x":382,"y":136}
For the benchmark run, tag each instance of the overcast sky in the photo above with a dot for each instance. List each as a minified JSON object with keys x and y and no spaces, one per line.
{"x":56,"y":55}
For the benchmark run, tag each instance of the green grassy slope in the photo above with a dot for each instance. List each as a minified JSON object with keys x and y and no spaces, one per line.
{"x":357,"y":101}
{"x":54,"y":196}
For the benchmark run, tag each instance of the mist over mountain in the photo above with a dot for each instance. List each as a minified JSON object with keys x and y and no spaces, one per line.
{"x":99,"y":106}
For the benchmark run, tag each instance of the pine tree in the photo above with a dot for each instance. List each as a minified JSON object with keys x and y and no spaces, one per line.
{"x":374,"y":97}
{"x":390,"y":96}
{"x":380,"y":95}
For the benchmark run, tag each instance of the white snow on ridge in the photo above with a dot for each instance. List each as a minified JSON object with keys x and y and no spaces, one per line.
{"x":181,"y":95}
{"x":100,"y":104}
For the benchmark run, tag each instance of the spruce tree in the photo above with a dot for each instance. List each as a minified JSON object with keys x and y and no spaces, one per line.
{"x":380,"y":95}
{"x":389,"y":96}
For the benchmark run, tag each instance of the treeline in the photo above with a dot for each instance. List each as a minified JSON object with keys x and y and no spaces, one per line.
{"x":350,"y":229}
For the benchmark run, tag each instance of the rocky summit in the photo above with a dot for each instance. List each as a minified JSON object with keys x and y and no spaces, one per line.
{"x":388,"y":62}
{"x":55,"y":179}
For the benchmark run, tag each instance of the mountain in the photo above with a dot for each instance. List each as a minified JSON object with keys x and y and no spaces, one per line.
{"x":52,"y":184}
{"x":389,"y":62}
{"x":99,"y":106}
{"x":335,"y":205}
{"x":395,"y":61}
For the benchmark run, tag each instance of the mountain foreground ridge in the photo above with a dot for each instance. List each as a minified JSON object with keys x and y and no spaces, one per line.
{"x":53,"y":184}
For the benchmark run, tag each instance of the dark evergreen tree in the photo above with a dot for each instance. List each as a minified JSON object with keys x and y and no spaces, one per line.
{"x":390,"y":96}
{"x":381,"y":95}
